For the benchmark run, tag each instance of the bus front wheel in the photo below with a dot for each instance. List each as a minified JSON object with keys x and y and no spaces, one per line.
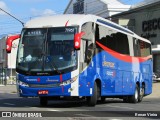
{"x":92,"y":100}
{"x":43,"y":101}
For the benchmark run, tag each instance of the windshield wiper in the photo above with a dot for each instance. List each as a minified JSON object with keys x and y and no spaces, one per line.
{"x":52,"y":64}
{"x":55,"y":67}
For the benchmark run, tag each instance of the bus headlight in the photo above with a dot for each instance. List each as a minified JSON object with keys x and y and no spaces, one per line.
{"x":22,"y":83}
{"x":67,"y":82}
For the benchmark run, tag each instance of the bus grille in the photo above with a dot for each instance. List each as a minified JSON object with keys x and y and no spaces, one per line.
{"x":43,"y":85}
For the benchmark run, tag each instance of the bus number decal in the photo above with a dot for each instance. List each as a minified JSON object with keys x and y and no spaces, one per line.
{"x":70,"y":30}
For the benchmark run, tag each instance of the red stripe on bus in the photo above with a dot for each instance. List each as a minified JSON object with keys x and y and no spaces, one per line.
{"x":66,"y":23}
{"x":61,"y":80}
{"x":123,"y":57}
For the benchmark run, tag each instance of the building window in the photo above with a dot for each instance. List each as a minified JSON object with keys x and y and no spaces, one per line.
{"x":78,"y":7}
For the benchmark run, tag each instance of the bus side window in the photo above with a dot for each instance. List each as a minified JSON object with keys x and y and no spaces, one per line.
{"x":97,"y":33}
{"x":112,"y":39}
{"x":87,"y":41}
{"x":144,"y":49}
{"x":136,"y":47}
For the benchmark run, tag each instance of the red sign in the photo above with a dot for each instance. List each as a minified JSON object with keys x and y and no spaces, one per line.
{"x":42,"y":92}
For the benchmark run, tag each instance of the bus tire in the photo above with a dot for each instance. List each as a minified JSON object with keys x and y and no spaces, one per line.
{"x":134,"y":98}
{"x":43,"y":101}
{"x":103,"y":99}
{"x":141,"y":94}
{"x":126,"y":99}
{"x":92,"y":100}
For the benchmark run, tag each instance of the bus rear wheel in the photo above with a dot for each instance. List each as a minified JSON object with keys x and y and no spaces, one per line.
{"x":141,"y":93}
{"x":92,"y":100}
{"x":134,"y":98}
{"x":126,"y":99}
{"x":43,"y":101}
{"x":103,"y":99}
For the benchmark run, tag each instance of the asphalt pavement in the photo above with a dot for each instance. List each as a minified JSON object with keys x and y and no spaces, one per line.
{"x":112,"y":107}
{"x":8,"y":89}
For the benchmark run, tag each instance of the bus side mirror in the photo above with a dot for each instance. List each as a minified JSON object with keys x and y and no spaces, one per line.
{"x":9,"y":41}
{"x":77,"y":40}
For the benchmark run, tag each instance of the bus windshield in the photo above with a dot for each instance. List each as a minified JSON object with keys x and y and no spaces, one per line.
{"x":47,"y":51}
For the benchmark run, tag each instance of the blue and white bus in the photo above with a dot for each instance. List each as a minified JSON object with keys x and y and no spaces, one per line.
{"x":83,"y":56}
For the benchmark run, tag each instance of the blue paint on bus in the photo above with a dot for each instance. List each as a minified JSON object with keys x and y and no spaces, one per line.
{"x":117,"y":78}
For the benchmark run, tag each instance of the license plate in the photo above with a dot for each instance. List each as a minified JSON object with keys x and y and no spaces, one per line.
{"x":42,"y":92}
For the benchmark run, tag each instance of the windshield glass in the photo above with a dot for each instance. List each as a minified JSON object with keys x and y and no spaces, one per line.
{"x":47,"y":51}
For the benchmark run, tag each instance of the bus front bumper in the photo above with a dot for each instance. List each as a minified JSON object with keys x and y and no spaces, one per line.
{"x":36,"y":92}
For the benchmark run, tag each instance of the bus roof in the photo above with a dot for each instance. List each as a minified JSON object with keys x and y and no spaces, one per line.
{"x":57,"y":21}
{"x":76,"y":20}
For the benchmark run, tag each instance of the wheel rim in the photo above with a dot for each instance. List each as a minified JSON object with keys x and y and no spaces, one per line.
{"x":142,"y":92}
{"x":136,"y":94}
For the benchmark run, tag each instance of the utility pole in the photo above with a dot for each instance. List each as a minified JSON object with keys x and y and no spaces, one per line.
{"x":13,"y":16}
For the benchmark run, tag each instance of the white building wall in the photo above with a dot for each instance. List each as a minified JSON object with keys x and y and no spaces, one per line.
{"x":103,"y":8}
{"x":95,"y":7}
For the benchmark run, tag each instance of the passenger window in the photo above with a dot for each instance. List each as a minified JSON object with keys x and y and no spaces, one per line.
{"x":112,"y":39}
{"x":144,"y":49}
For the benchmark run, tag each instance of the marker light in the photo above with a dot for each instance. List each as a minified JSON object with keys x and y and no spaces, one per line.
{"x":77,"y":40}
